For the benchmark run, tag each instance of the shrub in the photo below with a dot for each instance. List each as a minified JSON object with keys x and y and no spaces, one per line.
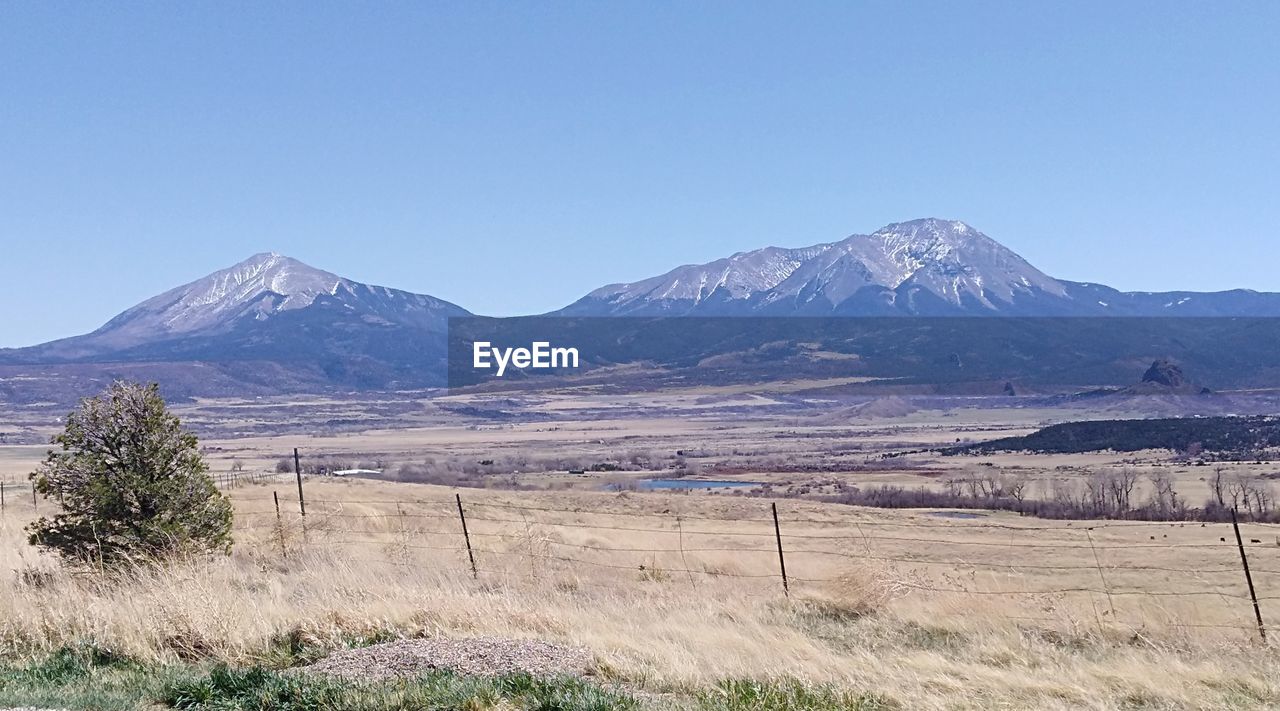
{"x":131,"y":484}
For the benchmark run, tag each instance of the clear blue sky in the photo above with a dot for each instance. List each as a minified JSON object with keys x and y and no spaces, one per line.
{"x":510,"y":157}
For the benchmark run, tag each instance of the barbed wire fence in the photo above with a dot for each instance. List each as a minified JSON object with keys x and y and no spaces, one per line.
{"x":779,"y":552}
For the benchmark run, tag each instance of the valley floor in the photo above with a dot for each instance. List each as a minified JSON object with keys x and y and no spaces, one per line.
{"x":677,"y":598}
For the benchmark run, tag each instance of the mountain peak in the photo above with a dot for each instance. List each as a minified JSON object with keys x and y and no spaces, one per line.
{"x":933,"y":225}
{"x":273,"y":281}
{"x":931,"y":233}
{"x":258,"y":288}
{"x":922,"y":266}
{"x":246,"y":309}
{"x":312,"y":325}
{"x":955,"y":259}
{"x":265,"y":283}
{"x":270,"y":272}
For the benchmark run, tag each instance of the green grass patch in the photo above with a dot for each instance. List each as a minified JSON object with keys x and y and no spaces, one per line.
{"x":83,"y":677}
{"x":87,"y":677}
{"x":787,"y":695}
{"x":91,"y":678}
{"x":262,"y":689}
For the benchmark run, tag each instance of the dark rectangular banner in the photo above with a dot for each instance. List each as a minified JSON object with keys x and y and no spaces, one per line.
{"x":1208,"y":353}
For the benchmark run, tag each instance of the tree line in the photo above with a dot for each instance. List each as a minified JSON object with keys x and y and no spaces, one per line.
{"x":1105,"y":494}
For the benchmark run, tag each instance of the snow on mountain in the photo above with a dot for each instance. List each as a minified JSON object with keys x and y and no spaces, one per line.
{"x":737,"y":277}
{"x":261,"y":285}
{"x":246,"y":299}
{"x":922,"y":266}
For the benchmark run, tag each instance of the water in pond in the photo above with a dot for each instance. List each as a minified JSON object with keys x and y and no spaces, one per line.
{"x":955,"y":514}
{"x":664,"y":484}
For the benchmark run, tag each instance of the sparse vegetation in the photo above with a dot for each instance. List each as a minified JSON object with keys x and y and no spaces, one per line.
{"x":471,"y":472}
{"x":1103,"y":494}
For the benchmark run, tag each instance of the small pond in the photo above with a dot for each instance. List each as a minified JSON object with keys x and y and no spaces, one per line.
{"x":678,"y":484}
{"x":955,"y":514}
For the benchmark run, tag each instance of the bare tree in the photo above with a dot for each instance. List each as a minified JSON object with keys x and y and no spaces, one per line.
{"x":1164,"y":499}
{"x":1216,"y":485}
{"x":1015,"y":485}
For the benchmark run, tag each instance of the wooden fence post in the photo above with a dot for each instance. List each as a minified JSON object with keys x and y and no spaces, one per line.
{"x":1248,"y":578}
{"x":782,"y":562}
{"x":1106,"y":589}
{"x":467,"y":537}
{"x":284,"y":552}
{"x":297,"y":470}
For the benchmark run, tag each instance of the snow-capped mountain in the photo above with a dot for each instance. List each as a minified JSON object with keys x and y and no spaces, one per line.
{"x":265,"y":291}
{"x":923,"y":267}
{"x":269,"y":313}
{"x":262,"y":285}
{"x":260,"y":288}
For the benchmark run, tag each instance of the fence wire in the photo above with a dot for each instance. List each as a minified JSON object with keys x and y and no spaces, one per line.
{"x":620,"y":542}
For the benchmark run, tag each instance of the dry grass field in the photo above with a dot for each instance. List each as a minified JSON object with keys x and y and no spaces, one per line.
{"x":674,"y":592}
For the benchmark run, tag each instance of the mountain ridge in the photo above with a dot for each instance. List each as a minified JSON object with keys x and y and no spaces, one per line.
{"x":271,"y":323}
{"x":923,"y":267}
{"x":242,"y":298}
{"x":267,"y":324}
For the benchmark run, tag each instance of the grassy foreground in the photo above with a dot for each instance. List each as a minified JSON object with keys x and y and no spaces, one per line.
{"x":224,"y":632}
{"x":88,"y":678}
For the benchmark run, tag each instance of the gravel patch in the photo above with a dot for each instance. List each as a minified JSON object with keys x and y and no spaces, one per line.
{"x":487,"y":656}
